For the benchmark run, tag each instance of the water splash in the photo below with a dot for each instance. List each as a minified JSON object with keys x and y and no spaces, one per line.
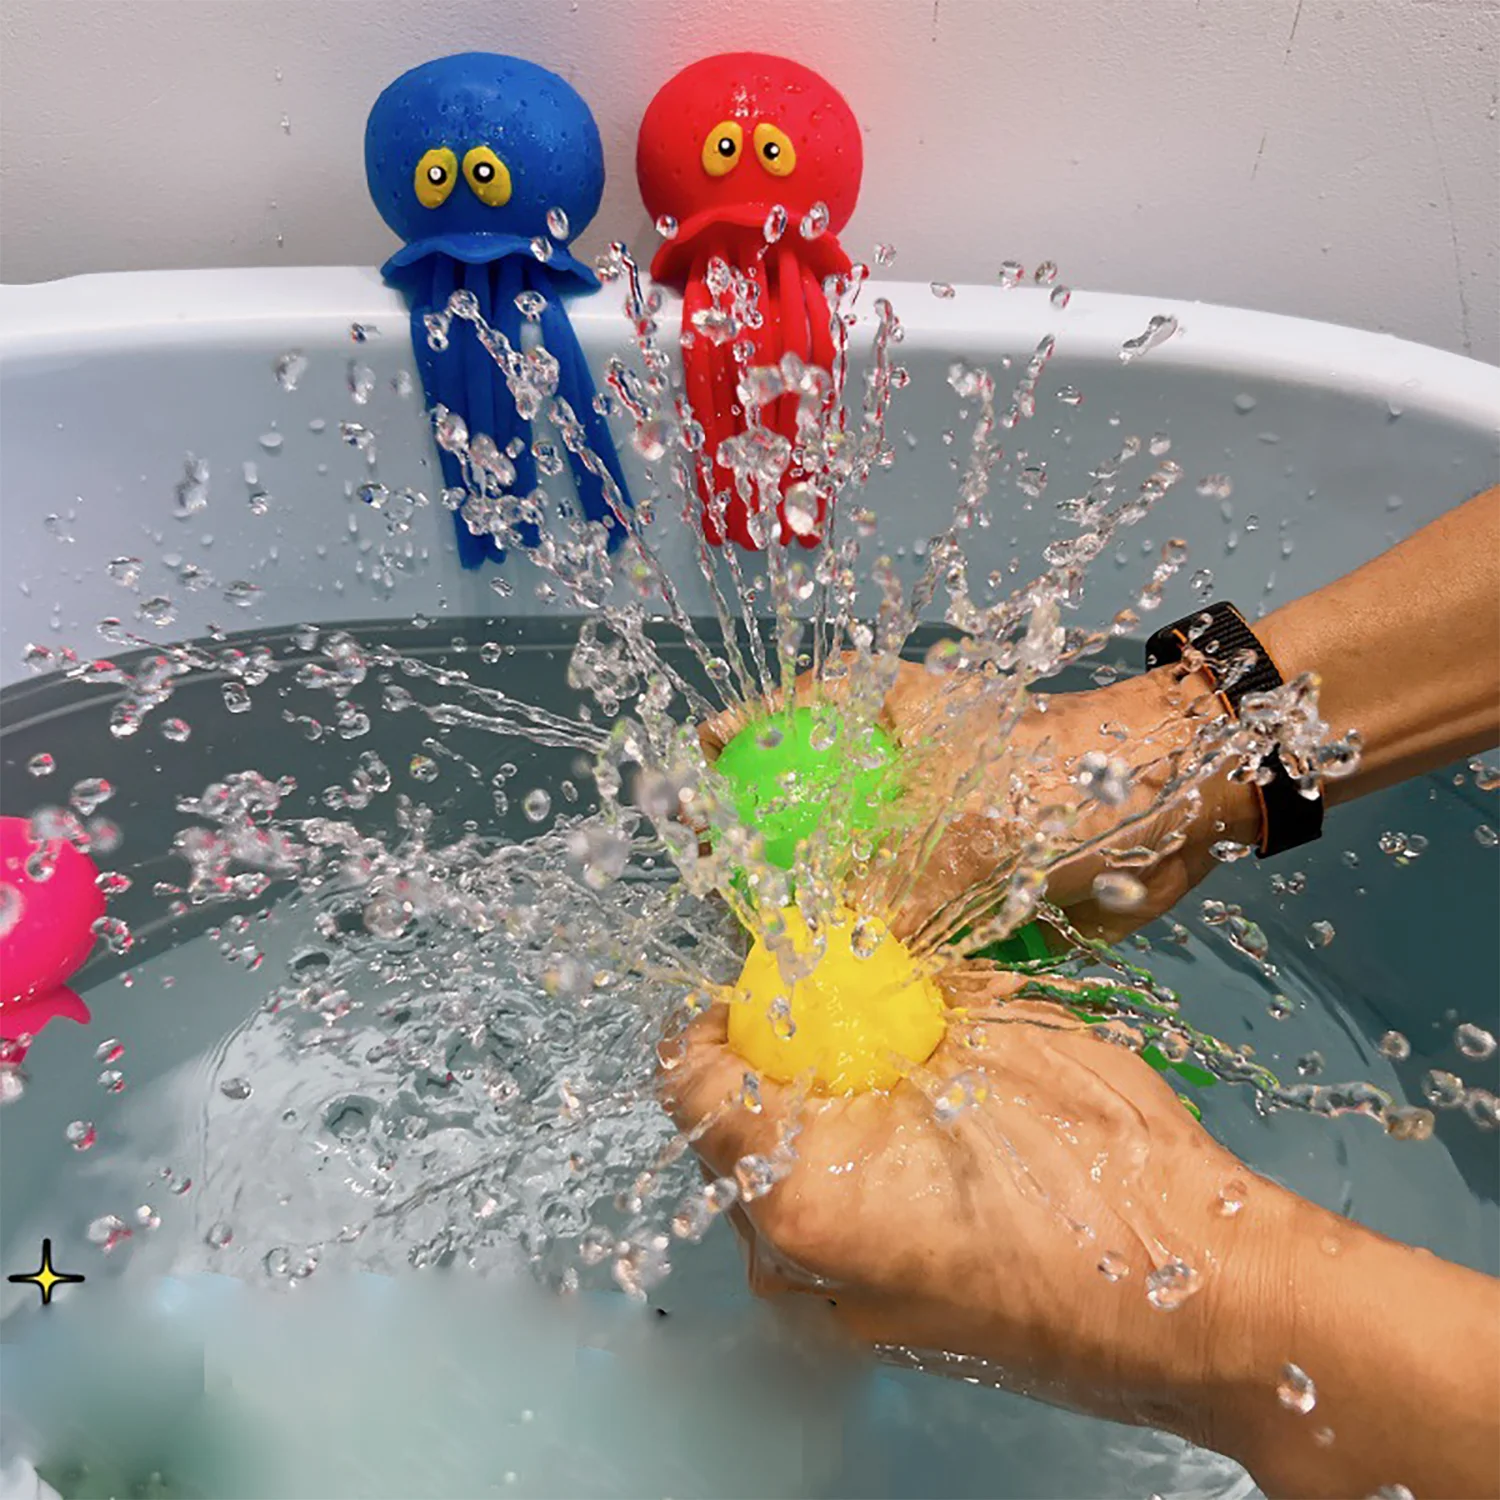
{"x":470,"y":1024}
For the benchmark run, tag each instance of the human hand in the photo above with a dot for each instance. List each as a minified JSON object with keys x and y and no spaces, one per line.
{"x":1033,"y":1198}
{"x":1089,"y":792}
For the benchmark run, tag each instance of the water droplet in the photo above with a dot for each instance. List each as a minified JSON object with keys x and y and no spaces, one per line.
{"x":1395,"y":1046}
{"x":1070,"y":396}
{"x":81,"y":1135}
{"x":112,"y":1081}
{"x":814,"y":222}
{"x":361,"y":380}
{"x":1320,"y":934}
{"x":1406,"y":1122}
{"x":1310,"y":1064}
{"x":536,"y":804}
{"x":800,"y":509}
{"x":1231,"y":1198}
{"x":531,"y":305}
{"x":1474,"y":1041}
{"x":1442,"y":1088}
{"x":1117,"y":890}
{"x":90,"y":794}
{"x":290,"y":368}
{"x":126,"y":571}
{"x":107,"y":1231}
{"x":1045,"y":273}
{"x":235,"y":1088}
{"x":1061,"y":296}
{"x":423,"y":768}
{"x":866,"y":936}
{"x":666,"y":227}
{"x":1011,"y":273}
{"x":944,"y":290}
{"x":774,"y":227}
{"x":110,"y":1050}
{"x":1228,"y":851}
{"x":241,"y":593}
{"x":176,"y":730}
{"x":1295,"y":1390}
{"x":650,"y":440}
{"x":541,"y":248}
{"x":219,"y":1235}
{"x":1113,"y":1266}
{"x":1157,"y":331}
{"x":158,"y":610}
{"x":236,"y":697}
{"x":1104,"y":778}
{"x":1170,"y":1286}
{"x":783,"y":1027}
{"x":11,"y":906}
{"x":41,"y":764}
{"x":557,"y":225}
{"x":1244,"y":402}
{"x":1486,"y":837}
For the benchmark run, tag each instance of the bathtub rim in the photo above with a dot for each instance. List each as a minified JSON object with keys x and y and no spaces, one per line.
{"x":104,"y":312}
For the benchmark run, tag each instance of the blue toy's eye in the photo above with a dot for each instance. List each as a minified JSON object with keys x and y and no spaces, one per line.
{"x":488,"y":176}
{"x":434,"y":178}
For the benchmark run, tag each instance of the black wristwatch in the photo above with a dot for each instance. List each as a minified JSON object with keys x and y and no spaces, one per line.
{"x":1239,"y":664}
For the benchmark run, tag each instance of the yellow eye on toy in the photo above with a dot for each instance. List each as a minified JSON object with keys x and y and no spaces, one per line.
{"x":488,"y":176}
{"x":774,"y":149}
{"x":434,"y":178}
{"x":722,"y":148}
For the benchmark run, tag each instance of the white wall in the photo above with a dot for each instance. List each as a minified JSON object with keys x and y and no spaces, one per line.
{"x":1338,"y":159}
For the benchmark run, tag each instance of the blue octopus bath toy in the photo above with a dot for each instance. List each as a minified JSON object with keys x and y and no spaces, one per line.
{"x":487,"y":166}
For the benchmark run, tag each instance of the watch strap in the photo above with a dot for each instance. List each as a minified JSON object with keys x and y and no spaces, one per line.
{"x":1233,"y":655}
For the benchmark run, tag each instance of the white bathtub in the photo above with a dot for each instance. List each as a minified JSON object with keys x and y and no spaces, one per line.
{"x":1338,"y":442}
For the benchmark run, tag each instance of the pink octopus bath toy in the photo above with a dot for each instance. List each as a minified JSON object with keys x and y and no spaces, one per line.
{"x":46,"y":932}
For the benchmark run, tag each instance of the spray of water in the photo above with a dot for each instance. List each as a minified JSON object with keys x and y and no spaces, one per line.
{"x":471,"y":1023}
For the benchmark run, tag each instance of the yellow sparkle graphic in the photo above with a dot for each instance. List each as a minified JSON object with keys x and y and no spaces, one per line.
{"x":44,"y":1278}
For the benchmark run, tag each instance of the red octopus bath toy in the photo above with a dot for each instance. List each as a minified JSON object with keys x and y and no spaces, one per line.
{"x":723,"y":146}
{"x":46,"y":932}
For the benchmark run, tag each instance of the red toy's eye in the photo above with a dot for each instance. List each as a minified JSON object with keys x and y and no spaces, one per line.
{"x":774,"y":150}
{"x":722,"y":148}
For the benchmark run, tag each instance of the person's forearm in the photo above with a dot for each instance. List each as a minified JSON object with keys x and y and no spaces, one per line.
{"x":1407,"y":649}
{"x":1403,"y":1354}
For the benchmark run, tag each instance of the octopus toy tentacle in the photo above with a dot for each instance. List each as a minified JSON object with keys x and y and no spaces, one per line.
{"x":496,"y":285}
{"x":575,"y":385}
{"x":697,"y":383}
{"x":820,"y":319}
{"x":771,"y":343}
{"x":792,"y":313}
{"x":443,"y":380}
{"x":712,"y":381}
